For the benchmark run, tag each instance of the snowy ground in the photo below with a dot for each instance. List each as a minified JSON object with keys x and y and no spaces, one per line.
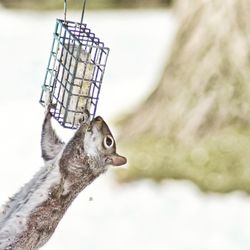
{"x":106,"y":216}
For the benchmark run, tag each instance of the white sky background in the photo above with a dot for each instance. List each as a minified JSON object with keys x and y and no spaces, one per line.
{"x":139,"y":216}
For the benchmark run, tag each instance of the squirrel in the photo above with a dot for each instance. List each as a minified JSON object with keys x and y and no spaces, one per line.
{"x":30,"y":218}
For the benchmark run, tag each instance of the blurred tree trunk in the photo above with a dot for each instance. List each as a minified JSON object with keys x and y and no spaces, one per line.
{"x":206,"y":82}
{"x":143,"y":3}
{"x":195,"y":124}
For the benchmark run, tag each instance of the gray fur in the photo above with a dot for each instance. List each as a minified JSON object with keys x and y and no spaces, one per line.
{"x":31,"y":216}
{"x":51,"y":145}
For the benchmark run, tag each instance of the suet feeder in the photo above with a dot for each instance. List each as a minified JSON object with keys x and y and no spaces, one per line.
{"x":75,"y":72}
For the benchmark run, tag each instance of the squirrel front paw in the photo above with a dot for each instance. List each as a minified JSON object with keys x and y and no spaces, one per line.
{"x":48,"y":113}
{"x":86,"y":116}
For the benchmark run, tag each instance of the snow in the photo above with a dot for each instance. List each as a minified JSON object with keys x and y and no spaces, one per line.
{"x":107,"y":216}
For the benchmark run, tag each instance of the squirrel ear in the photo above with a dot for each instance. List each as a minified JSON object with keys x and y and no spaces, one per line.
{"x":117,"y":160}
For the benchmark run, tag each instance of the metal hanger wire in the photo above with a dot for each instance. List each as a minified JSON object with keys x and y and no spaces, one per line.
{"x":66,"y":8}
{"x":83,"y":10}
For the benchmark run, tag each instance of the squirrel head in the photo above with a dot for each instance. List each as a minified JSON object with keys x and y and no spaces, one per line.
{"x":99,"y":142}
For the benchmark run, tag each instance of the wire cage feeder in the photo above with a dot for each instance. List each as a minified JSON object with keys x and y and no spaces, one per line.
{"x":74,"y":74}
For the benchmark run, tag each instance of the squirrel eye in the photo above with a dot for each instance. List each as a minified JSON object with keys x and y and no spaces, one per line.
{"x":108,"y":142}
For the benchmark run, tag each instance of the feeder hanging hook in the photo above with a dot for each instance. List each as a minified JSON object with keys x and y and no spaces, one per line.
{"x":65,"y":9}
{"x":83,"y":10}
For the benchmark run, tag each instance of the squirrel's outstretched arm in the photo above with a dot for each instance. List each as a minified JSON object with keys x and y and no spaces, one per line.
{"x":51,"y":145}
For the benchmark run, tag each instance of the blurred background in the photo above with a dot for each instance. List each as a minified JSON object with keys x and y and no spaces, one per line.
{"x":176,"y":95}
{"x":93,"y":4}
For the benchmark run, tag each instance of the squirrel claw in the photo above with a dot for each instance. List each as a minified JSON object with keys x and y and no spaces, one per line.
{"x":85,"y":117}
{"x":47,"y":110}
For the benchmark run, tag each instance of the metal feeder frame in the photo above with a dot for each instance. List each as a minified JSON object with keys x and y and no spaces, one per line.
{"x":77,"y":58}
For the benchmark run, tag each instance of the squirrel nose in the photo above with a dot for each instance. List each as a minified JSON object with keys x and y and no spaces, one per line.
{"x":98,"y":119}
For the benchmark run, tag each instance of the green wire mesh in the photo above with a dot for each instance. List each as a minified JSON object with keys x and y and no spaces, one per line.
{"x":74,"y":74}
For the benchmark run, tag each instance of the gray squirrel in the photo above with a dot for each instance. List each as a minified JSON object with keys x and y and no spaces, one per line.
{"x":29,"y":218}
